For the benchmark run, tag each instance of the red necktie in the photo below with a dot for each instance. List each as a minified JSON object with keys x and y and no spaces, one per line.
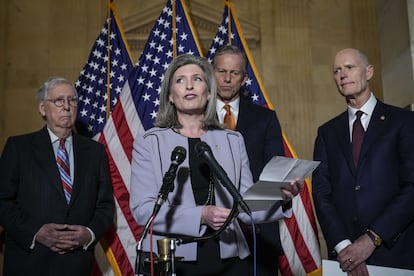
{"x":229,"y":118}
{"x":357,"y":137}
{"x":63,"y":166}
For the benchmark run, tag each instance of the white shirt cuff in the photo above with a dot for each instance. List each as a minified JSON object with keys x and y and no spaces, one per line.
{"x":85,"y":246}
{"x":341,"y":245}
{"x":32,"y":246}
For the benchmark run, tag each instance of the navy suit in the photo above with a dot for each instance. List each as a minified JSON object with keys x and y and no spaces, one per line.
{"x":263,"y":137}
{"x":262,"y":134}
{"x":378,"y":194}
{"x":31,"y":195}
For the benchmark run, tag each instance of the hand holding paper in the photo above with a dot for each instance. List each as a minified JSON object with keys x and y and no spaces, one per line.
{"x":293,"y":189}
{"x":278,"y":173}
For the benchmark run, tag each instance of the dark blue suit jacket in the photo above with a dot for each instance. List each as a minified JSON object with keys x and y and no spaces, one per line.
{"x":379,"y":194}
{"x":263,"y":138}
{"x":262,"y":134}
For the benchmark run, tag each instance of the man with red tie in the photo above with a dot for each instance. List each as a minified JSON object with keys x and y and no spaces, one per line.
{"x":363,"y":188}
{"x":56,"y":197}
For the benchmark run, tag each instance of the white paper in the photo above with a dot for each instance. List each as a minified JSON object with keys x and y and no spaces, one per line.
{"x":279,"y":172}
{"x":331,"y":268}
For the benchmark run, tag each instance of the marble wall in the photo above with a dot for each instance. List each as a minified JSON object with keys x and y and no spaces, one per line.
{"x":292,"y":43}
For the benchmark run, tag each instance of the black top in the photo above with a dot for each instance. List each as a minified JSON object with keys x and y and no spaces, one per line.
{"x":200,"y":174}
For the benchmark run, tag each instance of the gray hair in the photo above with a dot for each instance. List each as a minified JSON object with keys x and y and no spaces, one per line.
{"x":234,"y":50}
{"x":364,"y":57}
{"x":49,"y":84}
{"x":167,"y":114}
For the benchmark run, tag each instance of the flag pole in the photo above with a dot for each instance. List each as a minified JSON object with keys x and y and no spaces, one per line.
{"x":228,"y":3}
{"x":174,"y":29}
{"x":108,"y":63}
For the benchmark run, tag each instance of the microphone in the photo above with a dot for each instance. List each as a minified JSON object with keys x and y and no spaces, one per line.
{"x":177,"y":157}
{"x":204,"y":152}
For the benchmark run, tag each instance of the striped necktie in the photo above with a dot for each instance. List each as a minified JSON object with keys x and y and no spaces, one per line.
{"x":63,"y":165}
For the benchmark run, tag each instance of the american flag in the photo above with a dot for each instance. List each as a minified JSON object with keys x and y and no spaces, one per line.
{"x":99,"y":86}
{"x":224,"y":37}
{"x":299,"y":233}
{"x":162,"y":46}
{"x":102,"y":78}
{"x":134,"y":112}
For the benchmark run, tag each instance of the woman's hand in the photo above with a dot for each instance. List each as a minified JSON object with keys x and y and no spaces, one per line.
{"x":294,"y":188}
{"x":214,"y":216}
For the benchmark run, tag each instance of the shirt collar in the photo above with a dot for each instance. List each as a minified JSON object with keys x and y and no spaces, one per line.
{"x":233,"y":104}
{"x":54,"y":138}
{"x":367,"y":108}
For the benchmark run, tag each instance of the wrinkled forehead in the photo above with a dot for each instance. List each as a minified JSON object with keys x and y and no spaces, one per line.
{"x":62,"y":89}
{"x":229,"y":60}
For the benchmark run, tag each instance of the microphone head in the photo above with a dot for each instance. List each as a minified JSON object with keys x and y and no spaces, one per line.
{"x":178,"y":155}
{"x":201,"y":148}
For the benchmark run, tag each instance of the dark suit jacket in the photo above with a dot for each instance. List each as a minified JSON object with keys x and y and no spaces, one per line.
{"x":262,"y":134}
{"x":379,"y":194}
{"x":31,"y":195}
{"x":263,"y":138}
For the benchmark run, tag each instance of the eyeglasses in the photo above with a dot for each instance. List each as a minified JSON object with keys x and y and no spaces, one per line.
{"x":59,"y":102}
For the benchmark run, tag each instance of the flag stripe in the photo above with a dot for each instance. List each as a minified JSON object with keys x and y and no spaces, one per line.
{"x":121,"y":193}
{"x":116,"y":254}
{"x":289,"y":263}
{"x":99,"y":86}
{"x":122,"y":130}
{"x":306,"y":197}
{"x":127,"y":229}
{"x":298,"y":235}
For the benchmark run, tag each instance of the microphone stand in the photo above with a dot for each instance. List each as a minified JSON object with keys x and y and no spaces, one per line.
{"x":167,"y":187}
{"x":139,"y":245}
{"x":179,"y":239}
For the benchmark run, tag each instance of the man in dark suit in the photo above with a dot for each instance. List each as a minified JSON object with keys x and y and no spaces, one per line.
{"x":263,"y":138}
{"x":364,"y":194}
{"x":51,"y":229}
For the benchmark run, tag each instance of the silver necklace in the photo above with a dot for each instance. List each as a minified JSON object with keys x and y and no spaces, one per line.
{"x":210,"y":194}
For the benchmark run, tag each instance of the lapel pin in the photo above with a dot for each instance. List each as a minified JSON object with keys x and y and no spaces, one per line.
{"x":382,"y":118}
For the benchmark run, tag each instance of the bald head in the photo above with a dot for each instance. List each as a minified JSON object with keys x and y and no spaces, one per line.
{"x":363,"y":58}
{"x":352,"y":72}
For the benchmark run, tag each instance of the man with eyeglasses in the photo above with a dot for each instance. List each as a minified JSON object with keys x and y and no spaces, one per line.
{"x":263,"y":137}
{"x":56,"y":198}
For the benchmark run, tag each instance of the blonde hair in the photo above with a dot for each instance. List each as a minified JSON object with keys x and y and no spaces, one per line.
{"x":167,"y":114}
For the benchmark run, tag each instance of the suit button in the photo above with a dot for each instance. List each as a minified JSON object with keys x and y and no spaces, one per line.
{"x":357,"y":187}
